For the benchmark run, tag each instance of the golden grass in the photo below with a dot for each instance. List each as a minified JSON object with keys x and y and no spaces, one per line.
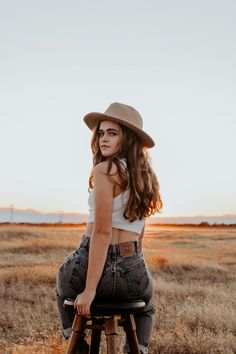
{"x":194,"y":271}
{"x":34,"y":274}
{"x":53,"y":345}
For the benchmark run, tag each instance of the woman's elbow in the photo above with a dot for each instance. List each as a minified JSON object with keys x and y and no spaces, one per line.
{"x":104,"y":233}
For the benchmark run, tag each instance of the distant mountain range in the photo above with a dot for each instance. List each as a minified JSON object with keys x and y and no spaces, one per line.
{"x":227,"y":219}
{"x":36,"y":217}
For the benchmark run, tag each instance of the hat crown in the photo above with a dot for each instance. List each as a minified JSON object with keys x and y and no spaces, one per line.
{"x":125,"y":113}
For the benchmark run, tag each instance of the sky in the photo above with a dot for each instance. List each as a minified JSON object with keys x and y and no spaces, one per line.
{"x":174,"y":61}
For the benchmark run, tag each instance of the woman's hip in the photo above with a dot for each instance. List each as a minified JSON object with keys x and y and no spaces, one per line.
{"x":125,"y":274}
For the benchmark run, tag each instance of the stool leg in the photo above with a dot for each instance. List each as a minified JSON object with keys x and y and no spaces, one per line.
{"x":96,"y":336}
{"x":77,"y":334}
{"x":130,"y":329}
{"x":111,"y":330}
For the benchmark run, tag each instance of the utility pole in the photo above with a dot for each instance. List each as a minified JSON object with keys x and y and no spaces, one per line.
{"x":11,"y":213}
{"x":60,"y":214}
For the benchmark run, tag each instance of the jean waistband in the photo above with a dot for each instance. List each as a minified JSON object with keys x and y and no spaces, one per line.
{"x":124,"y":249}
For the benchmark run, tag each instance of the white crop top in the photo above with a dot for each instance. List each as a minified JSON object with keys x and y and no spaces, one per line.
{"x":118,"y":208}
{"x":118,"y":220}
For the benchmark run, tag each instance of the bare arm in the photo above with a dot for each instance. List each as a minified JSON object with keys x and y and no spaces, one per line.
{"x":100,"y":237}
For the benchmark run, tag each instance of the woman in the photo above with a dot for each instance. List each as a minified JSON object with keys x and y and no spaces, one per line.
{"x":123,"y":191}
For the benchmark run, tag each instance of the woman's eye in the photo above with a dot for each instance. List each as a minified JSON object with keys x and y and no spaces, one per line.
{"x":101,"y":134}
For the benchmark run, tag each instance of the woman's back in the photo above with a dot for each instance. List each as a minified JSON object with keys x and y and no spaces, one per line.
{"x":122,"y":229}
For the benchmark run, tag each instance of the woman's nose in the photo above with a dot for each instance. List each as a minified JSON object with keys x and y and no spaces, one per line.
{"x":105,"y":137}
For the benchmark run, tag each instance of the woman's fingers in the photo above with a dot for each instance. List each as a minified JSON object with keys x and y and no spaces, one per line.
{"x":82,"y":309}
{"x":87,"y":311}
{"x":83,"y":302}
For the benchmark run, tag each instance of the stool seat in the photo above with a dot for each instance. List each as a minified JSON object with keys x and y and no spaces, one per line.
{"x":110,"y":308}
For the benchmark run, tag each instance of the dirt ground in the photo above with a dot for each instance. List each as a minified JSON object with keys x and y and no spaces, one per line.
{"x":194,"y":271}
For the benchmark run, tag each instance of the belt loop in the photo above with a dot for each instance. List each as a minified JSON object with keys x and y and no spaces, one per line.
{"x":85,"y":242}
{"x":114,"y":253}
{"x":136,"y":245}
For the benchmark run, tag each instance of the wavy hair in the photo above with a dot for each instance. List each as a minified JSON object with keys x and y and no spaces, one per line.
{"x":144,"y":197}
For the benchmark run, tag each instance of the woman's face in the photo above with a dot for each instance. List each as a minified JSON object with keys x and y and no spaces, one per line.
{"x":109,"y":137}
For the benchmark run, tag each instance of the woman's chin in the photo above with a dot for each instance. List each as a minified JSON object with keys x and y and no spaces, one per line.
{"x":106,"y":154}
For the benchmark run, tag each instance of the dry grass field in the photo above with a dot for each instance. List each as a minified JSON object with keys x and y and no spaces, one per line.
{"x":194,"y":270}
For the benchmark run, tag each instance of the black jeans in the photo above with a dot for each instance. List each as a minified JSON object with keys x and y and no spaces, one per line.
{"x":122,"y":279}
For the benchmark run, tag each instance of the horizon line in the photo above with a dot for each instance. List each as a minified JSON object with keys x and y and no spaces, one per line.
{"x":37,"y":211}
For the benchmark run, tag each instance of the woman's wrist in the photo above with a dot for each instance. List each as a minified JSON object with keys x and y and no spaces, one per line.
{"x":90,"y":289}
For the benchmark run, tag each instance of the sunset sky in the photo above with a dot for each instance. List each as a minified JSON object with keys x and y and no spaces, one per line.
{"x":174,"y":61}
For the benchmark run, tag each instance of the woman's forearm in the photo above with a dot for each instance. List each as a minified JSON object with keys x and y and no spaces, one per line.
{"x":98,"y":247}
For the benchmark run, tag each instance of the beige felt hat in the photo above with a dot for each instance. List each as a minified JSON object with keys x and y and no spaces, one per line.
{"x":123,"y":114}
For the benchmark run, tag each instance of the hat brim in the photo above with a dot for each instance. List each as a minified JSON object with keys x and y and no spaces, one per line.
{"x":92,"y":119}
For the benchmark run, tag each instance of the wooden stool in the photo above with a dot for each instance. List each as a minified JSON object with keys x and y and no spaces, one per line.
{"x":106,"y":316}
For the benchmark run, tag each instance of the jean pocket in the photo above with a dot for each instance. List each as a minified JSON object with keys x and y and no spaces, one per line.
{"x":79,"y":272}
{"x":135,"y":279}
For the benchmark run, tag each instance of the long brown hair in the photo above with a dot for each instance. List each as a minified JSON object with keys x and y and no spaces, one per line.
{"x":144,"y":197}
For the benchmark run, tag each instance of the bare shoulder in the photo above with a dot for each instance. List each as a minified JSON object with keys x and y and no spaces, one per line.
{"x":102,"y":167}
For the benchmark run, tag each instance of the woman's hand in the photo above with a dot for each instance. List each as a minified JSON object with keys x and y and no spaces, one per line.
{"x":83,"y":302}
